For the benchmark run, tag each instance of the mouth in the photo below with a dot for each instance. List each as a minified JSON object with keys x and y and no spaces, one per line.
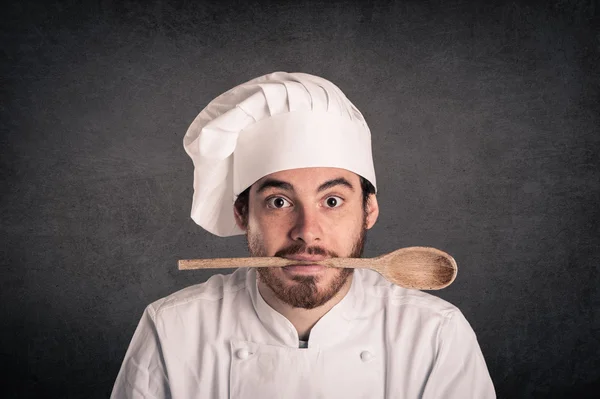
{"x":304,"y":265}
{"x":304,"y":269}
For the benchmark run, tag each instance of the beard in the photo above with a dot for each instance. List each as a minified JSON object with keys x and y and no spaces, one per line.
{"x":304,"y":291}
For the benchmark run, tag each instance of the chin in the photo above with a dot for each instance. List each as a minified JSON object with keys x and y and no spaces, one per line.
{"x":305,"y":291}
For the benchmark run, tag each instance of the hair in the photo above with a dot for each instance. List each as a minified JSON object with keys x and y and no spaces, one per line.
{"x":241,"y":202}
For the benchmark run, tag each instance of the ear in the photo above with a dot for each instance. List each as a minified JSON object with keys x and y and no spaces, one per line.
{"x":238,"y":213}
{"x":372,"y":211}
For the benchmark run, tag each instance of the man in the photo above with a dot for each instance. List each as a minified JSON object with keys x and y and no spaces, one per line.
{"x":286,"y":159}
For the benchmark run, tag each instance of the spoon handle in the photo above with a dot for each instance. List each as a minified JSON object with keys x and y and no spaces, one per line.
{"x":352,"y":263}
{"x":229,"y":263}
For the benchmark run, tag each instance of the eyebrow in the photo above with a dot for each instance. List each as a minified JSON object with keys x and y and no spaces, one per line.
{"x":276,"y":184}
{"x":340,"y":181}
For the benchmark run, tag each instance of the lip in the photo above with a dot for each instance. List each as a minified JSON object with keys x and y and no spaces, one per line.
{"x":304,"y":269}
{"x":306,"y":258}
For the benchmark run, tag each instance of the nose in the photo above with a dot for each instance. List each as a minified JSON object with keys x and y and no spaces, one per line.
{"x":307,"y":226}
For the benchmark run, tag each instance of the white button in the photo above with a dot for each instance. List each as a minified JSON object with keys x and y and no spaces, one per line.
{"x":366,"y":356}
{"x":242,"y":353}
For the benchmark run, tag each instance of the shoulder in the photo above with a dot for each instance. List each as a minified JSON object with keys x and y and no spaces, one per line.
{"x":393,"y":296}
{"x":216,"y":289}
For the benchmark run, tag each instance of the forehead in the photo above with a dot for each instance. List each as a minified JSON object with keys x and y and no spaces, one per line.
{"x":310,"y":178}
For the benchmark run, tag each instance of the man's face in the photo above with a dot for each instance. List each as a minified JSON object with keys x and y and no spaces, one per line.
{"x":307,"y":214}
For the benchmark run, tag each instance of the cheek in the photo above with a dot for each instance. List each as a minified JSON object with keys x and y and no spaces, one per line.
{"x":267,"y":220}
{"x":343,"y":232}
{"x":348,"y":222}
{"x":268,"y":233}
{"x":268,"y":224}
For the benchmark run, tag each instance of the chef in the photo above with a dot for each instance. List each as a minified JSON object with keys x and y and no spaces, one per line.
{"x":286,"y":160}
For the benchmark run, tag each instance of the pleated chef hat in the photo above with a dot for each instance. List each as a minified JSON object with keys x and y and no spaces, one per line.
{"x":275,"y":122}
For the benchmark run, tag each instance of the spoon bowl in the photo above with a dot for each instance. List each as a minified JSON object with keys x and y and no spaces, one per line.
{"x":421,"y":268}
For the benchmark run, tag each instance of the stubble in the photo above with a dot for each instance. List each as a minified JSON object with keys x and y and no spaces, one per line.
{"x":305,"y":292}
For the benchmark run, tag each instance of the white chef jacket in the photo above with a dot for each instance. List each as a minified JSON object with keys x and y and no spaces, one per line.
{"x":220,"y":339}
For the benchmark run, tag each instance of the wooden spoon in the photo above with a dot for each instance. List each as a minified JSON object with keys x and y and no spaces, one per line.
{"x":420,"y":268}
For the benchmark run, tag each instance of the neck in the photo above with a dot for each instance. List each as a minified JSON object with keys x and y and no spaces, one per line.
{"x":302,"y":319}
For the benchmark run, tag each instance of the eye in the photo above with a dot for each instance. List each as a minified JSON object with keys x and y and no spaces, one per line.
{"x":278,"y":203}
{"x":333,"y":202}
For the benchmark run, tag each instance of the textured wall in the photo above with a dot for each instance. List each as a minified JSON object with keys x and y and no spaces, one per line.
{"x":485,"y":122}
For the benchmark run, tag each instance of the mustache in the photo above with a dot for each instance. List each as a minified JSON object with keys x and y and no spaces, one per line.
{"x":298,"y":249}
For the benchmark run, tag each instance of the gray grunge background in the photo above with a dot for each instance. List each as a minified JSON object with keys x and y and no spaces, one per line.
{"x":485,"y":122}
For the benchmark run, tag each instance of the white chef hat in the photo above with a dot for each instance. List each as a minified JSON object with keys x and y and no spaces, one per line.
{"x":275,"y":122}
